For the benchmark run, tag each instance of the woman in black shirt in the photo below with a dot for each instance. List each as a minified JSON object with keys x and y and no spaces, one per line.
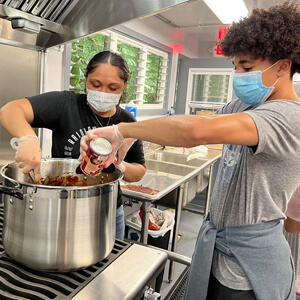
{"x":71,"y":115}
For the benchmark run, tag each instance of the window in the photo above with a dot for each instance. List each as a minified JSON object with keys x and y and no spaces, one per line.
{"x":209,"y":87}
{"x":155,"y":79}
{"x":148,"y":67}
{"x":82,"y":51}
{"x":131,"y":55}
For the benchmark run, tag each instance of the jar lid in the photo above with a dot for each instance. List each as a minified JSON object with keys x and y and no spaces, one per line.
{"x":101,"y":146}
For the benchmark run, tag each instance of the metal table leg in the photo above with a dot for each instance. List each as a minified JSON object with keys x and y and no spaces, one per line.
{"x":145,"y":221}
{"x":175,"y":229}
{"x":207,"y":199}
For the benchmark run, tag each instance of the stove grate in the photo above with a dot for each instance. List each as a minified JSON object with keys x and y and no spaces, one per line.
{"x":18,"y":282}
{"x":1,"y":228}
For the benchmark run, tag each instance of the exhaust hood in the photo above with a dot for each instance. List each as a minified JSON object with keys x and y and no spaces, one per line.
{"x":41,"y":24}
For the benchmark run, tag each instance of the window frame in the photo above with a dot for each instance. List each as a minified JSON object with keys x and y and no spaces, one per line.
{"x":207,"y":71}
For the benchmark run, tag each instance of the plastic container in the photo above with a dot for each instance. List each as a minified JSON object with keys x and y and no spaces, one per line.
{"x":131,"y":107}
{"x":172,"y":111}
{"x":153,"y":233}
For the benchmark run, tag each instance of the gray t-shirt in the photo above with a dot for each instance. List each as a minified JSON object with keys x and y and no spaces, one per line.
{"x":254,"y":184}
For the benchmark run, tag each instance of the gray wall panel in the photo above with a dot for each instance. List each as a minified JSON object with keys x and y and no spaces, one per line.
{"x":19,"y":77}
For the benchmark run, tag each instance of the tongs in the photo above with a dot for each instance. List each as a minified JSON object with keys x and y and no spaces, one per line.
{"x":31,"y":175}
{"x":14,"y":142}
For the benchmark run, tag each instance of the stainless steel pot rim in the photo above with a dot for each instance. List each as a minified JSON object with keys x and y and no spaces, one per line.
{"x":24,"y":183}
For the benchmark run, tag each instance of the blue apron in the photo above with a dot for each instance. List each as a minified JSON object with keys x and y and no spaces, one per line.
{"x":260,"y":249}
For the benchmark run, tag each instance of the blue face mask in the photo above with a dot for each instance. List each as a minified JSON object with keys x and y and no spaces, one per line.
{"x":249,"y":88}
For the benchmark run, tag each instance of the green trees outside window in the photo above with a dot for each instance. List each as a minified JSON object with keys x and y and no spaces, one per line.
{"x":82,"y":52}
{"x":131,"y":55}
{"x":152,"y":78}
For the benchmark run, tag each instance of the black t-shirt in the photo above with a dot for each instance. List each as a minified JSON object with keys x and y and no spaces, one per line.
{"x":69,"y":117}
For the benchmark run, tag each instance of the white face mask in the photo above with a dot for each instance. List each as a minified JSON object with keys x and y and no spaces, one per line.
{"x":102,"y":102}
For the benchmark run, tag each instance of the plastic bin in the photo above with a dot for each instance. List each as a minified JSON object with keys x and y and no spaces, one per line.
{"x":152,"y":233}
{"x":156,"y":238}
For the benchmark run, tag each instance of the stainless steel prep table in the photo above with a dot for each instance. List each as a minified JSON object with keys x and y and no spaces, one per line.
{"x":169,"y":185}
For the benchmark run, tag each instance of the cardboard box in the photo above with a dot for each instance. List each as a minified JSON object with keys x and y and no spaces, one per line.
{"x":215,"y":147}
{"x":204,"y":112}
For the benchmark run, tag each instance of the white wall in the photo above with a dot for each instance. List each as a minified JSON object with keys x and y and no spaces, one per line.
{"x":54,"y":63}
{"x":52,"y":80}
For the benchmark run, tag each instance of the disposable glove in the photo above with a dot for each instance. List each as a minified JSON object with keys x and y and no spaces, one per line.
{"x":110,"y":133}
{"x":121,"y":167}
{"x":124,"y":149}
{"x":28,"y":154}
{"x":122,"y":153}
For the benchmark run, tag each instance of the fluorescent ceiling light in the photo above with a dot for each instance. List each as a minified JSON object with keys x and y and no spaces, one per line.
{"x":228,"y":11}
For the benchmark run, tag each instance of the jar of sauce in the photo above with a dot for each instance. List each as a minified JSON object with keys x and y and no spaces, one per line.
{"x":98,"y":152}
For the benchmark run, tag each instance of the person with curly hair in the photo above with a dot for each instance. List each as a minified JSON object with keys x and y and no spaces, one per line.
{"x":241,"y":252}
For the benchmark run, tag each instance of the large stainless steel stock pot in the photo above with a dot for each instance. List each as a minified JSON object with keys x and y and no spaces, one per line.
{"x":59,"y":228}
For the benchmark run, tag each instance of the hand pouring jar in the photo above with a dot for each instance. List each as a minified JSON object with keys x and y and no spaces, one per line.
{"x":98,"y":152}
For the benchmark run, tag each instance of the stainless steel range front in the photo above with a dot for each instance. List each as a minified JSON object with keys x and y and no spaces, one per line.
{"x":125,"y":274}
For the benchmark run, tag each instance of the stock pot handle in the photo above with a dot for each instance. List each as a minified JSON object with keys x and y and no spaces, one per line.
{"x":11,"y":192}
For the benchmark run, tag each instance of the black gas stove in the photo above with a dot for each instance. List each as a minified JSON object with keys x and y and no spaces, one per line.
{"x":125,"y":274}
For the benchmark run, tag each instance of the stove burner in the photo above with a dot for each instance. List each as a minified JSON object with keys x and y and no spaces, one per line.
{"x":20,"y":282}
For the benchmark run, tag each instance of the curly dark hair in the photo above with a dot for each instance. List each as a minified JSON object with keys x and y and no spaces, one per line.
{"x":272,"y":33}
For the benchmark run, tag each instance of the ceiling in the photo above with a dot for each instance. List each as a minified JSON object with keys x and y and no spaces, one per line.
{"x":191,"y":28}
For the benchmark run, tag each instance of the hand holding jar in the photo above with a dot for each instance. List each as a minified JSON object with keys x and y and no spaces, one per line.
{"x":113,"y":135}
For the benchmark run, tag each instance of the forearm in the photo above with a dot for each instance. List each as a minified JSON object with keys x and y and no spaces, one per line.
{"x":133,"y":172}
{"x":13,"y":120}
{"x":190,"y":131}
{"x":169,"y":131}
